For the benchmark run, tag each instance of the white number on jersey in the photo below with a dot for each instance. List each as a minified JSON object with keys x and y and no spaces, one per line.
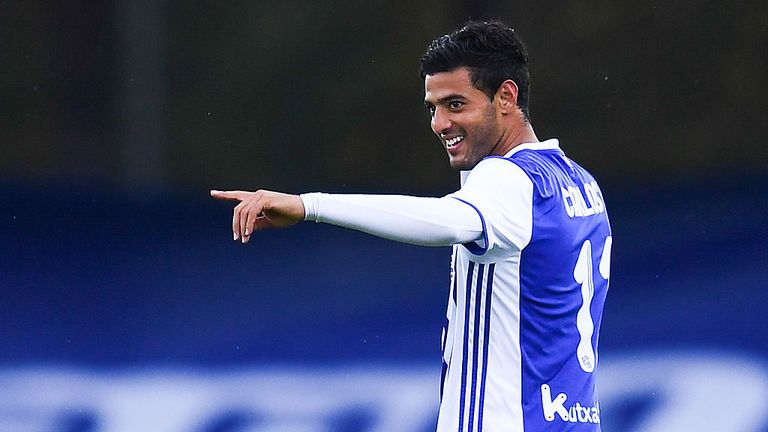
{"x":582,"y":273}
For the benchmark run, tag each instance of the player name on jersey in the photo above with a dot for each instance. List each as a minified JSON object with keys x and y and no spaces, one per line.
{"x":577,"y":206}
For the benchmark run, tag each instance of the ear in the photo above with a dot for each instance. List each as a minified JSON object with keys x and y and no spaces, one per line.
{"x":507,"y":97}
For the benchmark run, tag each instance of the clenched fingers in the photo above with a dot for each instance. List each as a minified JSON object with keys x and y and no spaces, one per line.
{"x":248,"y":218}
{"x":244,"y":217}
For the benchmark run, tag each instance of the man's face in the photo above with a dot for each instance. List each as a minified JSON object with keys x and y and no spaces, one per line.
{"x":463,"y":117}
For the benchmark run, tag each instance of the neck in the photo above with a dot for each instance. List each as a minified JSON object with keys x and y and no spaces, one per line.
{"x":513,"y":137}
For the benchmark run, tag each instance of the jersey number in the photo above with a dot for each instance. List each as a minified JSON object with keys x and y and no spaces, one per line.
{"x":582,"y":273}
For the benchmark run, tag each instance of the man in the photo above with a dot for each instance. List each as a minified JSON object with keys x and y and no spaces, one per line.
{"x":530,"y":235}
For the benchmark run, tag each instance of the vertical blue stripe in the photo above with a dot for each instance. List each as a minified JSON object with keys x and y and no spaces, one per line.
{"x":486,"y":342}
{"x":444,"y":370}
{"x":475,"y":346}
{"x":467,"y":297}
{"x":443,"y":374}
{"x":455,"y":277}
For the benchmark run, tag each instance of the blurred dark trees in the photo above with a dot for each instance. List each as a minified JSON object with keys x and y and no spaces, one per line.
{"x":301,"y":95}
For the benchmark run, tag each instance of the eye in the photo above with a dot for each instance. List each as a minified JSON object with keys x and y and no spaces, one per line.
{"x":455,"y":105}
{"x":431,"y":109}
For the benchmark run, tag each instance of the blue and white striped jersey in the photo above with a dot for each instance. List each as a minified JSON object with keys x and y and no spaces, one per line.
{"x":521,"y":334}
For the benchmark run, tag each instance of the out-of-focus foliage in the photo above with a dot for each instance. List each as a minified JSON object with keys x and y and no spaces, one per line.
{"x":326,"y":95}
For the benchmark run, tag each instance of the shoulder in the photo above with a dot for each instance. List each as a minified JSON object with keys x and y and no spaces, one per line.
{"x":502,"y":194}
{"x":497,"y":171}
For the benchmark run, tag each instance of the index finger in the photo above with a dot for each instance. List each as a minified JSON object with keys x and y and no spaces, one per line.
{"x":228,"y":195}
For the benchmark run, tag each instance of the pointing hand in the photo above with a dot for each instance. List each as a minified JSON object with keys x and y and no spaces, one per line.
{"x":261,"y":209}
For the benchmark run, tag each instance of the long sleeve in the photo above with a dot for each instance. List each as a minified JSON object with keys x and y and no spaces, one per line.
{"x":408,"y":219}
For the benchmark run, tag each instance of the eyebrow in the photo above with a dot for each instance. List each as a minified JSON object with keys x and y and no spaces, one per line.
{"x":446,"y":99}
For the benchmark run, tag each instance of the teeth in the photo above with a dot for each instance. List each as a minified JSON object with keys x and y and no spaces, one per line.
{"x":453,"y":141}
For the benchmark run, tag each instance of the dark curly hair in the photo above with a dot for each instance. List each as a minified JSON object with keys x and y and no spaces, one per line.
{"x":490,"y":50}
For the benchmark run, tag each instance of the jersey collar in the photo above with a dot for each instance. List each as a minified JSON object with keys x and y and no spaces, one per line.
{"x":550,"y":144}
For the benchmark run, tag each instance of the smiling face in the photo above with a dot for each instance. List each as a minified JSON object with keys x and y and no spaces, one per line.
{"x":466,"y":121}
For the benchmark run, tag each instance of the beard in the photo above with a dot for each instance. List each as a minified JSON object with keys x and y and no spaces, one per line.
{"x":479,"y":141}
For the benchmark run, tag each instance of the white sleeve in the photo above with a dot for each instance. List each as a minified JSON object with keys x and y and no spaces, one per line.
{"x":502,"y":194}
{"x":416,"y":220}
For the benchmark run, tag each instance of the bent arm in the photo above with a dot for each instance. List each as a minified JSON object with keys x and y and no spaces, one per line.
{"x":415,"y":220}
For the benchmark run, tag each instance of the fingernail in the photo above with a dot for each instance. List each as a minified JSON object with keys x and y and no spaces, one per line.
{"x":235,"y":237}
{"x":247,"y":233}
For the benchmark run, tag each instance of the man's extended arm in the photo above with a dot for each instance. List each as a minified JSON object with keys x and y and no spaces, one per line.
{"x":416,"y":220}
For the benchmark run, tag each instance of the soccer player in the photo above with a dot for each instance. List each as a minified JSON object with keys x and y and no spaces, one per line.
{"x":530,"y":235}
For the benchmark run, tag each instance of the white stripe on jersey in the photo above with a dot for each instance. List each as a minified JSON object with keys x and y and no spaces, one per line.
{"x":468,"y":386}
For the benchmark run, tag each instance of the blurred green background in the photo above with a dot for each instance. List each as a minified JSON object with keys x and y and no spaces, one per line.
{"x":151,"y":97}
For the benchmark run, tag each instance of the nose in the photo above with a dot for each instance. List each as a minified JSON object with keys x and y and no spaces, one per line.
{"x":441,"y":122}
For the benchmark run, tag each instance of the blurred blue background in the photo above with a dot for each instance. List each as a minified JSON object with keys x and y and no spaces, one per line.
{"x":126,"y":305}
